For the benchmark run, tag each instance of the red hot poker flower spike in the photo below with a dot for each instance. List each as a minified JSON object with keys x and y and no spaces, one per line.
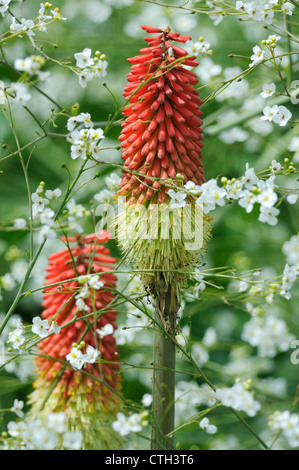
{"x":92,"y":391}
{"x":162,"y":133}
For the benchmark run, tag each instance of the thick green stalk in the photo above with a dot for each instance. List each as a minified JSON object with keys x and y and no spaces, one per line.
{"x":163,"y":381}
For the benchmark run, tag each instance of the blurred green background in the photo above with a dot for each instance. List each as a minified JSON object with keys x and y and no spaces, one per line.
{"x":239,"y":240}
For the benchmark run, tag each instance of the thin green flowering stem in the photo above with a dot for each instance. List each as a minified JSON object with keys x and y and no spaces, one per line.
{"x":194,"y":419}
{"x":24,"y":168}
{"x":266,"y":447}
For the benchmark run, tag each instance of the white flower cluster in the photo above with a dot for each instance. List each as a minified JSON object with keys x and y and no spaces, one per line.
{"x":198,"y":47}
{"x":88,"y":282}
{"x":50,"y":433}
{"x":16,"y":338}
{"x":85,"y":140}
{"x":45,"y":215}
{"x":17,"y":91}
{"x":105,"y":195}
{"x":278,"y":114}
{"x":89,"y":67}
{"x":288,"y":279}
{"x":31,"y":66}
{"x":248,"y":190}
{"x":124,"y":425}
{"x":239,"y":398}
{"x":26,"y":26}
{"x":259,"y":10}
{"x":42,"y":328}
{"x":288,"y":423}
{"x":78,"y":359}
{"x":269,"y":334}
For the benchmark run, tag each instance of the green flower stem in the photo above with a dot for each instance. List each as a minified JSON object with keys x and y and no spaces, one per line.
{"x":163,"y":387}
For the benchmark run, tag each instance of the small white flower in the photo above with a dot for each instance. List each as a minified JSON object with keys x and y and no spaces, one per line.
{"x":275,"y":166}
{"x":147,"y":399}
{"x":257,"y":56}
{"x":18,"y":407}
{"x":16,"y":338}
{"x":21,"y":92}
{"x":46,"y":217}
{"x":192,"y":188}
{"x":83,"y":59}
{"x":282,"y":116}
{"x":76,"y":358}
{"x":54,"y":328}
{"x":26,"y":26}
{"x":57,"y":15}
{"x":81,"y":305}
{"x":27,"y":65}
{"x":268,"y":215}
{"x":289,"y":276}
{"x":91,"y":355}
{"x":267,"y":198}
{"x":177,"y":198}
{"x":53,"y":195}
{"x":100,"y":68}
{"x":206,"y":426}
{"x":73,"y":122}
{"x":268,"y":90}
{"x":86,"y":120}
{"x":287,"y":8}
{"x":234,"y":190}
{"x":96,"y":134}
{"x":4,"y":4}
{"x":84,"y":78}
{"x":121,"y":425}
{"x":105,"y":330}
{"x":95,"y":282}
{"x":42,"y":13}
{"x":40,"y":327}
{"x":269,"y":113}
{"x":39,"y":203}
{"x":247,"y":200}
{"x":273,"y":38}
{"x":249,"y":179}
{"x":46,"y":233}
{"x":238,"y":398}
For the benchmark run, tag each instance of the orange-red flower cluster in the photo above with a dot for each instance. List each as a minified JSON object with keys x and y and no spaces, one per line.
{"x":162,"y":133}
{"x":86,"y":256}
